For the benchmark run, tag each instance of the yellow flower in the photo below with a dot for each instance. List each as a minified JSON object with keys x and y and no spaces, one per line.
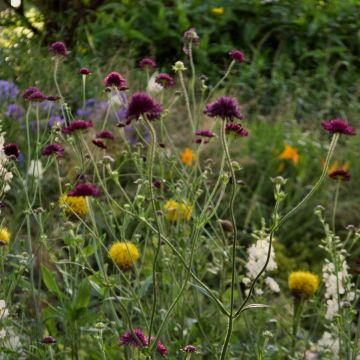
{"x":74,"y":204}
{"x":124,"y":254}
{"x":175,"y":211}
{"x":290,"y":153}
{"x":5,"y":236}
{"x":217,"y":11}
{"x":188,"y":157}
{"x":303,"y":283}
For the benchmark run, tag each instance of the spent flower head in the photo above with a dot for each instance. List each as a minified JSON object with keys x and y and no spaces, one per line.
{"x":179,"y":66}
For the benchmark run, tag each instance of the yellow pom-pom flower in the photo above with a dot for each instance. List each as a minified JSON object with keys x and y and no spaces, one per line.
{"x":124,"y":254}
{"x":303,"y":283}
{"x":188,"y":157}
{"x":177,"y":211}
{"x":5,"y":236}
{"x":217,"y":11}
{"x":74,"y":204}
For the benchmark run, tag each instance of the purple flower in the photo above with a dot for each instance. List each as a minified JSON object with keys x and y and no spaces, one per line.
{"x":84,"y":71}
{"x":53,"y":149}
{"x":189,"y":349}
{"x":156,"y":184}
{"x":135,"y":134}
{"x":165,"y":80}
{"x":135,"y":339}
{"x":77,"y":125}
{"x":58,"y":48}
{"x":8,"y":90}
{"x":85,"y":189}
{"x":48,"y":340}
{"x":236,"y":129}
{"x":205,"y":133}
{"x":143,"y":104}
{"x":99,"y":143}
{"x":105,"y":134}
{"x":56,"y":119}
{"x":36,"y":96}
{"x":29,"y":91}
{"x":340,"y":174}
{"x":90,"y":104}
{"x":161,"y":349}
{"x":14,"y":111}
{"x":52,"y":98}
{"x":339,"y":126}
{"x":147,"y":63}
{"x":225,"y":107}
{"x":237,"y":55}
{"x":115,"y":79}
{"x":11,"y":150}
{"x":190,"y":36}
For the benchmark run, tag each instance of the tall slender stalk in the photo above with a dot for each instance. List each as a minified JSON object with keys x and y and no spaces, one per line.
{"x":335,"y":205}
{"x":234,"y":239}
{"x":221,"y":80}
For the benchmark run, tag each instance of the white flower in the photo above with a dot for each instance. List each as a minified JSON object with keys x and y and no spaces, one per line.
{"x":153,"y":87}
{"x":330,"y":343}
{"x":4,"y":312}
{"x":272,"y":284}
{"x":35,"y":169}
{"x":332,"y":308}
{"x":2,"y":334}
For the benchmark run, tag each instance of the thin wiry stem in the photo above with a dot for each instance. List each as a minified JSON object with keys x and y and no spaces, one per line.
{"x":187,"y":102}
{"x":233,"y":220}
{"x":221,"y":80}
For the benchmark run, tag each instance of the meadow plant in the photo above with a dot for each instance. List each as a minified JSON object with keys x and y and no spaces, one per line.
{"x":130,"y":248}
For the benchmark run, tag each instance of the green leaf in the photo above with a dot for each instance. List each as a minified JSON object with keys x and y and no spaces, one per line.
{"x":82,"y":298}
{"x":50,"y":281}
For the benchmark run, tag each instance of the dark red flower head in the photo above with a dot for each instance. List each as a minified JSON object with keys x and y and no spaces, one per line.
{"x":114,"y":79}
{"x":143,"y":104}
{"x":135,"y":339}
{"x":11,"y":150}
{"x":99,"y":143}
{"x":29,"y":91}
{"x":147,"y":63}
{"x":205,"y":133}
{"x":58,"y":48}
{"x":84,"y":71}
{"x":339,"y":126}
{"x":189,"y":349}
{"x":225,"y":107}
{"x":77,"y":125}
{"x":340,"y":174}
{"x":165,"y":80}
{"x":36,"y":96}
{"x":190,"y":36}
{"x":237,"y":55}
{"x":236,"y":129}
{"x":53,"y":149}
{"x":105,"y":134}
{"x":53,"y":98}
{"x":161,"y":349}
{"x":85,"y":189}
{"x":48,"y":340}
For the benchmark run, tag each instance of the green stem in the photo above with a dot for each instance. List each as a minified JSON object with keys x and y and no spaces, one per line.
{"x":193,"y":79}
{"x":187,"y":102}
{"x":335,"y":205}
{"x":84,"y":90}
{"x":233,"y":264}
{"x":221,"y":80}
{"x":298,"y":307}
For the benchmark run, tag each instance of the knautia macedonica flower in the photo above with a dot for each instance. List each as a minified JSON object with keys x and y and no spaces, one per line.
{"x":124,"y":254}
{"x":105,"y":134}
{"x":48,"y":340}
{"x":58,"y":48}
{"x":74,"y":205}
{"x":5,"y":236}
{"x":135,"y":338}
{"x":190,"y":36}
{"x":303,"y":283}
{"x":175,"y":211}
{"x":147,"y":63}
{"x":225,"y":107}
{"x":189,"y":349}
{"x":339,"y":126}
{"x":187,"y":157}
{"x":236,"y":129}
{"x":340,"y":174}
{"x":237,"y":55}
{"x":205,"y":133}
{"x":161,"y":349}
{"x":99,"y":143}
{"x":77,"y":125}
{"x":36,"y":96}
{"x":141,"y":104}
{"x":11,"y":150}
{"x":84,"y":71}
{"x":53,"y":98}
{"x":114,"y":79}
{"x":165,"y":80}
{"x":53,"y":149}
{"x":85,"y":189}
{"x":29,"y":91}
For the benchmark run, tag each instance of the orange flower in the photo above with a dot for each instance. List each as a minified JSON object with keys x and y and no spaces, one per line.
{"x":290,"y":153}
{"x":188,"y":157}
{"x":335,"y":166}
